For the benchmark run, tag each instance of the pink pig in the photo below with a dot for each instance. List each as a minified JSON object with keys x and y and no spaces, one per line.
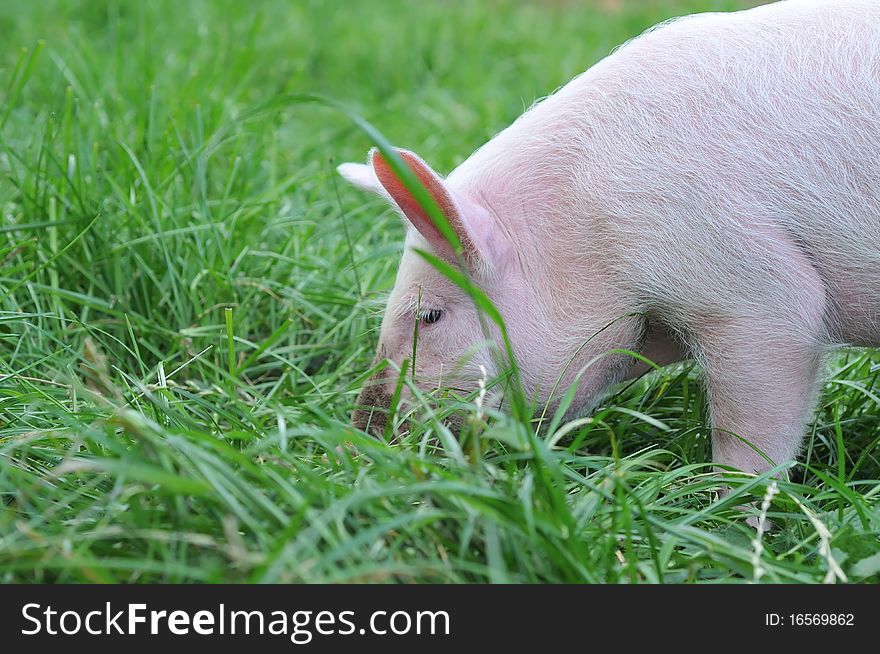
{"x":711,"y":191}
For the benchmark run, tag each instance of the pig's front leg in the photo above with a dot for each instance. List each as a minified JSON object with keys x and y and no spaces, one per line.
{"x":762,"y":385}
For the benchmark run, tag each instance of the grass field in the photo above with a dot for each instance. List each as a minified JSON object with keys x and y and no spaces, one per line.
{"x":189,"y":300}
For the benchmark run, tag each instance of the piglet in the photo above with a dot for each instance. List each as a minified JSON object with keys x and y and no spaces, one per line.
{"x":710,"y":191}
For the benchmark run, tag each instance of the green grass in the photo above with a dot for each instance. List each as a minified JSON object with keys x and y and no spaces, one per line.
{"x":189,"y":300}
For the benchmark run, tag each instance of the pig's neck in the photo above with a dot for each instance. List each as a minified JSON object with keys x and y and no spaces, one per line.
{"x":531,"y":177}
{"x":531,"y":174}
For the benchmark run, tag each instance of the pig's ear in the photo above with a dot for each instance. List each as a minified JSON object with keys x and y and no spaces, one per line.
{"x":472,"y":224}
{"x":362,"y":176}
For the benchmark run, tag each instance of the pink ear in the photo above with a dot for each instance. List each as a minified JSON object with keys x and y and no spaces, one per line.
{"x":414,"y":211}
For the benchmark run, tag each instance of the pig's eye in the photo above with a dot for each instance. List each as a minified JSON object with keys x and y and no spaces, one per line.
{"x":430,"y":316}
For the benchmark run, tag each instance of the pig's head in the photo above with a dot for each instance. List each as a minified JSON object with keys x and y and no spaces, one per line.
{"x":528,"y":287}
{"x":424,"y":305}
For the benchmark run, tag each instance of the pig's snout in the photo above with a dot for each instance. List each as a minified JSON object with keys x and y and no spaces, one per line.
{"x":371,"y":407}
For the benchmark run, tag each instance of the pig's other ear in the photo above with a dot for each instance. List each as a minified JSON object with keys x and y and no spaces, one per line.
{"x":476,"y":229}
{"x":364,"y":177}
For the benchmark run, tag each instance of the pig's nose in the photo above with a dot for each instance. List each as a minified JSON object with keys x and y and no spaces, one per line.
{"x":371,"y":408}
